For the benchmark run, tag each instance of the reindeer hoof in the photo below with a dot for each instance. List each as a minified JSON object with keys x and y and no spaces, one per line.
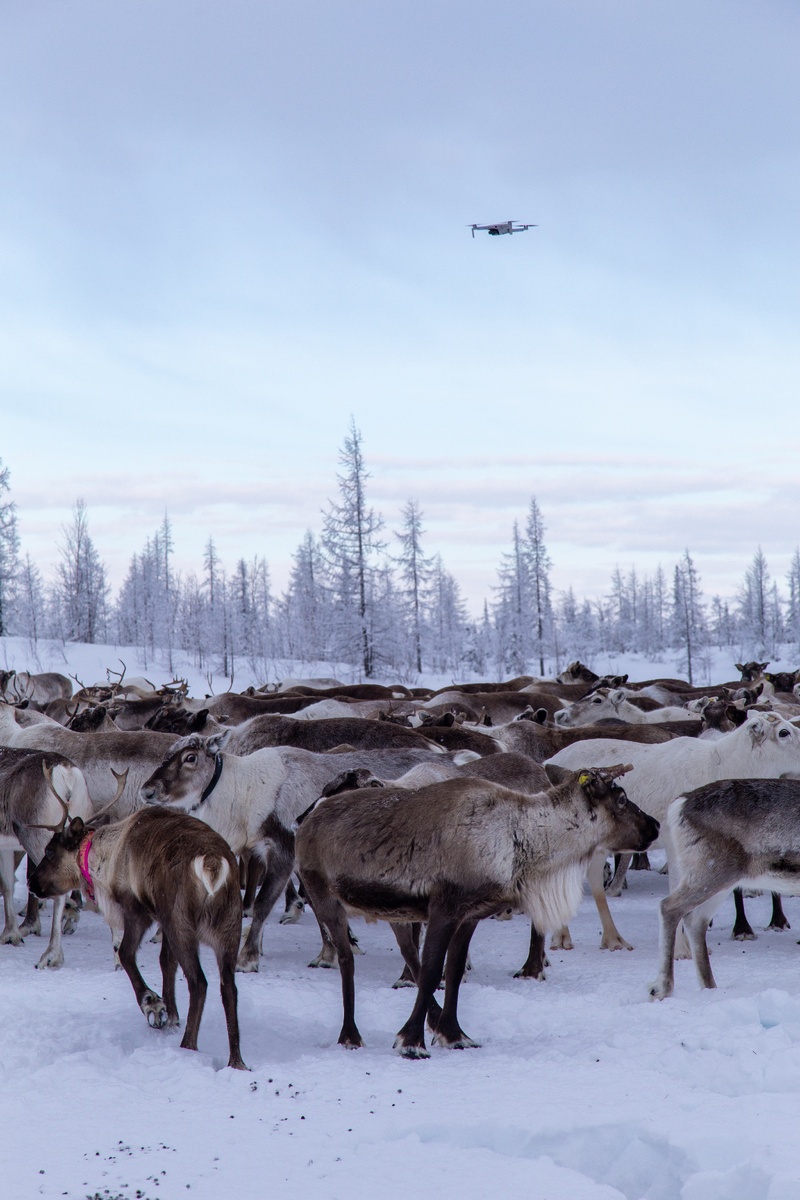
{"x":246,"y":963}
{"x":659,"y":990}
{"x":462,"y":1042}
{"x":351,"y":1041}
{"x":35,"y":928}
{"x":50,"y":961}
{"x":155,"y":1010}
{"x":69,"y":920}
{"x":293,"y":913}
{"x":523,"y":974}
{"x":14,"y":938}
{"x":319,"y":961}
{"x":562,"y":941}
{"x":744,"y":936}
{"x":410,"y":1051}
{"x":615,"y":943}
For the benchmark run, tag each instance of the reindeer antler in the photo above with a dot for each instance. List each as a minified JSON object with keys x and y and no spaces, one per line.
{"x":48,"y":775}
{"x":614,"y":772}
{"x":120,"y":674}
{"x":121,"y":781}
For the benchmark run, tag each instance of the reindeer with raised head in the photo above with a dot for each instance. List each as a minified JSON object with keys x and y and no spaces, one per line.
{"x":451,"y":854}
{"x":164,"y":866}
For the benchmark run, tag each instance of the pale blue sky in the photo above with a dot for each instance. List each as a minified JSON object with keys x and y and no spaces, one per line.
{"x":225,"y":227}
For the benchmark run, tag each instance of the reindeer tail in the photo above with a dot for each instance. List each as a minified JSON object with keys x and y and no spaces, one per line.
{"x":212,"y":872}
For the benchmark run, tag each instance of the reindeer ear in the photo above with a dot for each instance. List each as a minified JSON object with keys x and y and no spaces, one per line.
{"x":557,"y":774}
{"x":216,"y":743}
{"x":76,"y":832}
{"x":758,"y":730}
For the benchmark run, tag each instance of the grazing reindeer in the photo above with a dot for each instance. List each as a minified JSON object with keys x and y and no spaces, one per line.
{"x":28,"y":783}
{"x":726,"y":833}
{"x":451,"y":854}
{"x":157,"y":865}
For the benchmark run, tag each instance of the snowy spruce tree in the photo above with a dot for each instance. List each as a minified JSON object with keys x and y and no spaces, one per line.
{"x":689,"y":630}
{"x":759,"y":610}
{"x":80,"y":593}
{"x":539,"y":564}
{"x":31,"y":609}
{"x":514,"y":617}
{"x":448,"y":625}
{"x":9,"y":553}
{"x":792,"y":618}
{"x":349,"y":543}
{"x":415,"y":570}
{"x":304,"y":608}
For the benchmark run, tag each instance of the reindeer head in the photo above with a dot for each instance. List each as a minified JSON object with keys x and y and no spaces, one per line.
{"x":188,"y":773}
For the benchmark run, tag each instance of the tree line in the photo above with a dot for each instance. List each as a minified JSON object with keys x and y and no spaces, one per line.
{"x":377,"y":600}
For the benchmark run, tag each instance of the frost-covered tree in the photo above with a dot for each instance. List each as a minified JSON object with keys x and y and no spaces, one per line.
{"x":415,"y":569}
{"x":448,"y":621}
{"x":690,"y":633}
{"x":147,"y":604}
{"x":757,"y":610}
{"x":31,"y":618}
{"x":80,"y":593}
{"x":539,"y":565}
{"x":350,"y":542}
{"x":792,"y":620}
{"x":577,"y":630}
{"x":514,"y":616}
{"x":9,"y":553}
{"x":304,"y":610}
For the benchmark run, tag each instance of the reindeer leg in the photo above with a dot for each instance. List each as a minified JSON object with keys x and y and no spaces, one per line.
{"x":53,"y":957}
{"x":137,"y":922}
{"x":72,"y":912}
{"x":409,"y":948}
{"x":280,"y":864}
{"x":611,"y":939}
{"x":294,"y":905}
{"x":675,"y":908}
{"x":742,"y":930}
{"x":447,"y":1031}
{"x":410,"y":1040}
{"x":169,"y":967}
{"x":185,"y":950}
{"x":779,"y":921}
{"x":331,"y":916}
{"x":32,"y":921}
{"x":256,"y":871}
{"x":535,"y":963}
{"x":623,"y":862}
{"x":226,"y":961}
{"x":11,"y":935}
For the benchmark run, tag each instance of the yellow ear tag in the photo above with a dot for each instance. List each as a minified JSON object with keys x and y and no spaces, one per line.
{"x":583,"y":779}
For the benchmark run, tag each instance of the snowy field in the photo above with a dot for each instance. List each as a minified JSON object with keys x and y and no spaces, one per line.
{"x":582,"y":1090}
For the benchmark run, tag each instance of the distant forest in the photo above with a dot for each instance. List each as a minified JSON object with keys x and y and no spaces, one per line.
{"x":379,"y":601}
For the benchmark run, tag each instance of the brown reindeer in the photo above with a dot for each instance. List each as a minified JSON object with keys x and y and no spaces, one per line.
{"x":451,"y":854}
{"x":164,"y":866}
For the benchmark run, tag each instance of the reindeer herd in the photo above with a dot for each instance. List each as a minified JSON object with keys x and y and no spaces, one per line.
{"x":425,"y":809}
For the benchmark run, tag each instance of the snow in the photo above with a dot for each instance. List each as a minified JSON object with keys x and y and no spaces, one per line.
{"x":582,"y":1090}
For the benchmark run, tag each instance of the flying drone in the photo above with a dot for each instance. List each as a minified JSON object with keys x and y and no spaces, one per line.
{"x":502,"y":227}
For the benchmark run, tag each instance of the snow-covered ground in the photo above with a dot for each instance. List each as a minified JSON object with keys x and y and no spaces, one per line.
{"x":582,"y":1090}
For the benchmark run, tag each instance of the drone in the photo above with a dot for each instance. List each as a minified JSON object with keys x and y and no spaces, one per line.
{"x":502,"y":227}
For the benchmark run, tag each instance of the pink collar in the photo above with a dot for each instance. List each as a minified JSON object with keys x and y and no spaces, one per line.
{"x":83,"y":863}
